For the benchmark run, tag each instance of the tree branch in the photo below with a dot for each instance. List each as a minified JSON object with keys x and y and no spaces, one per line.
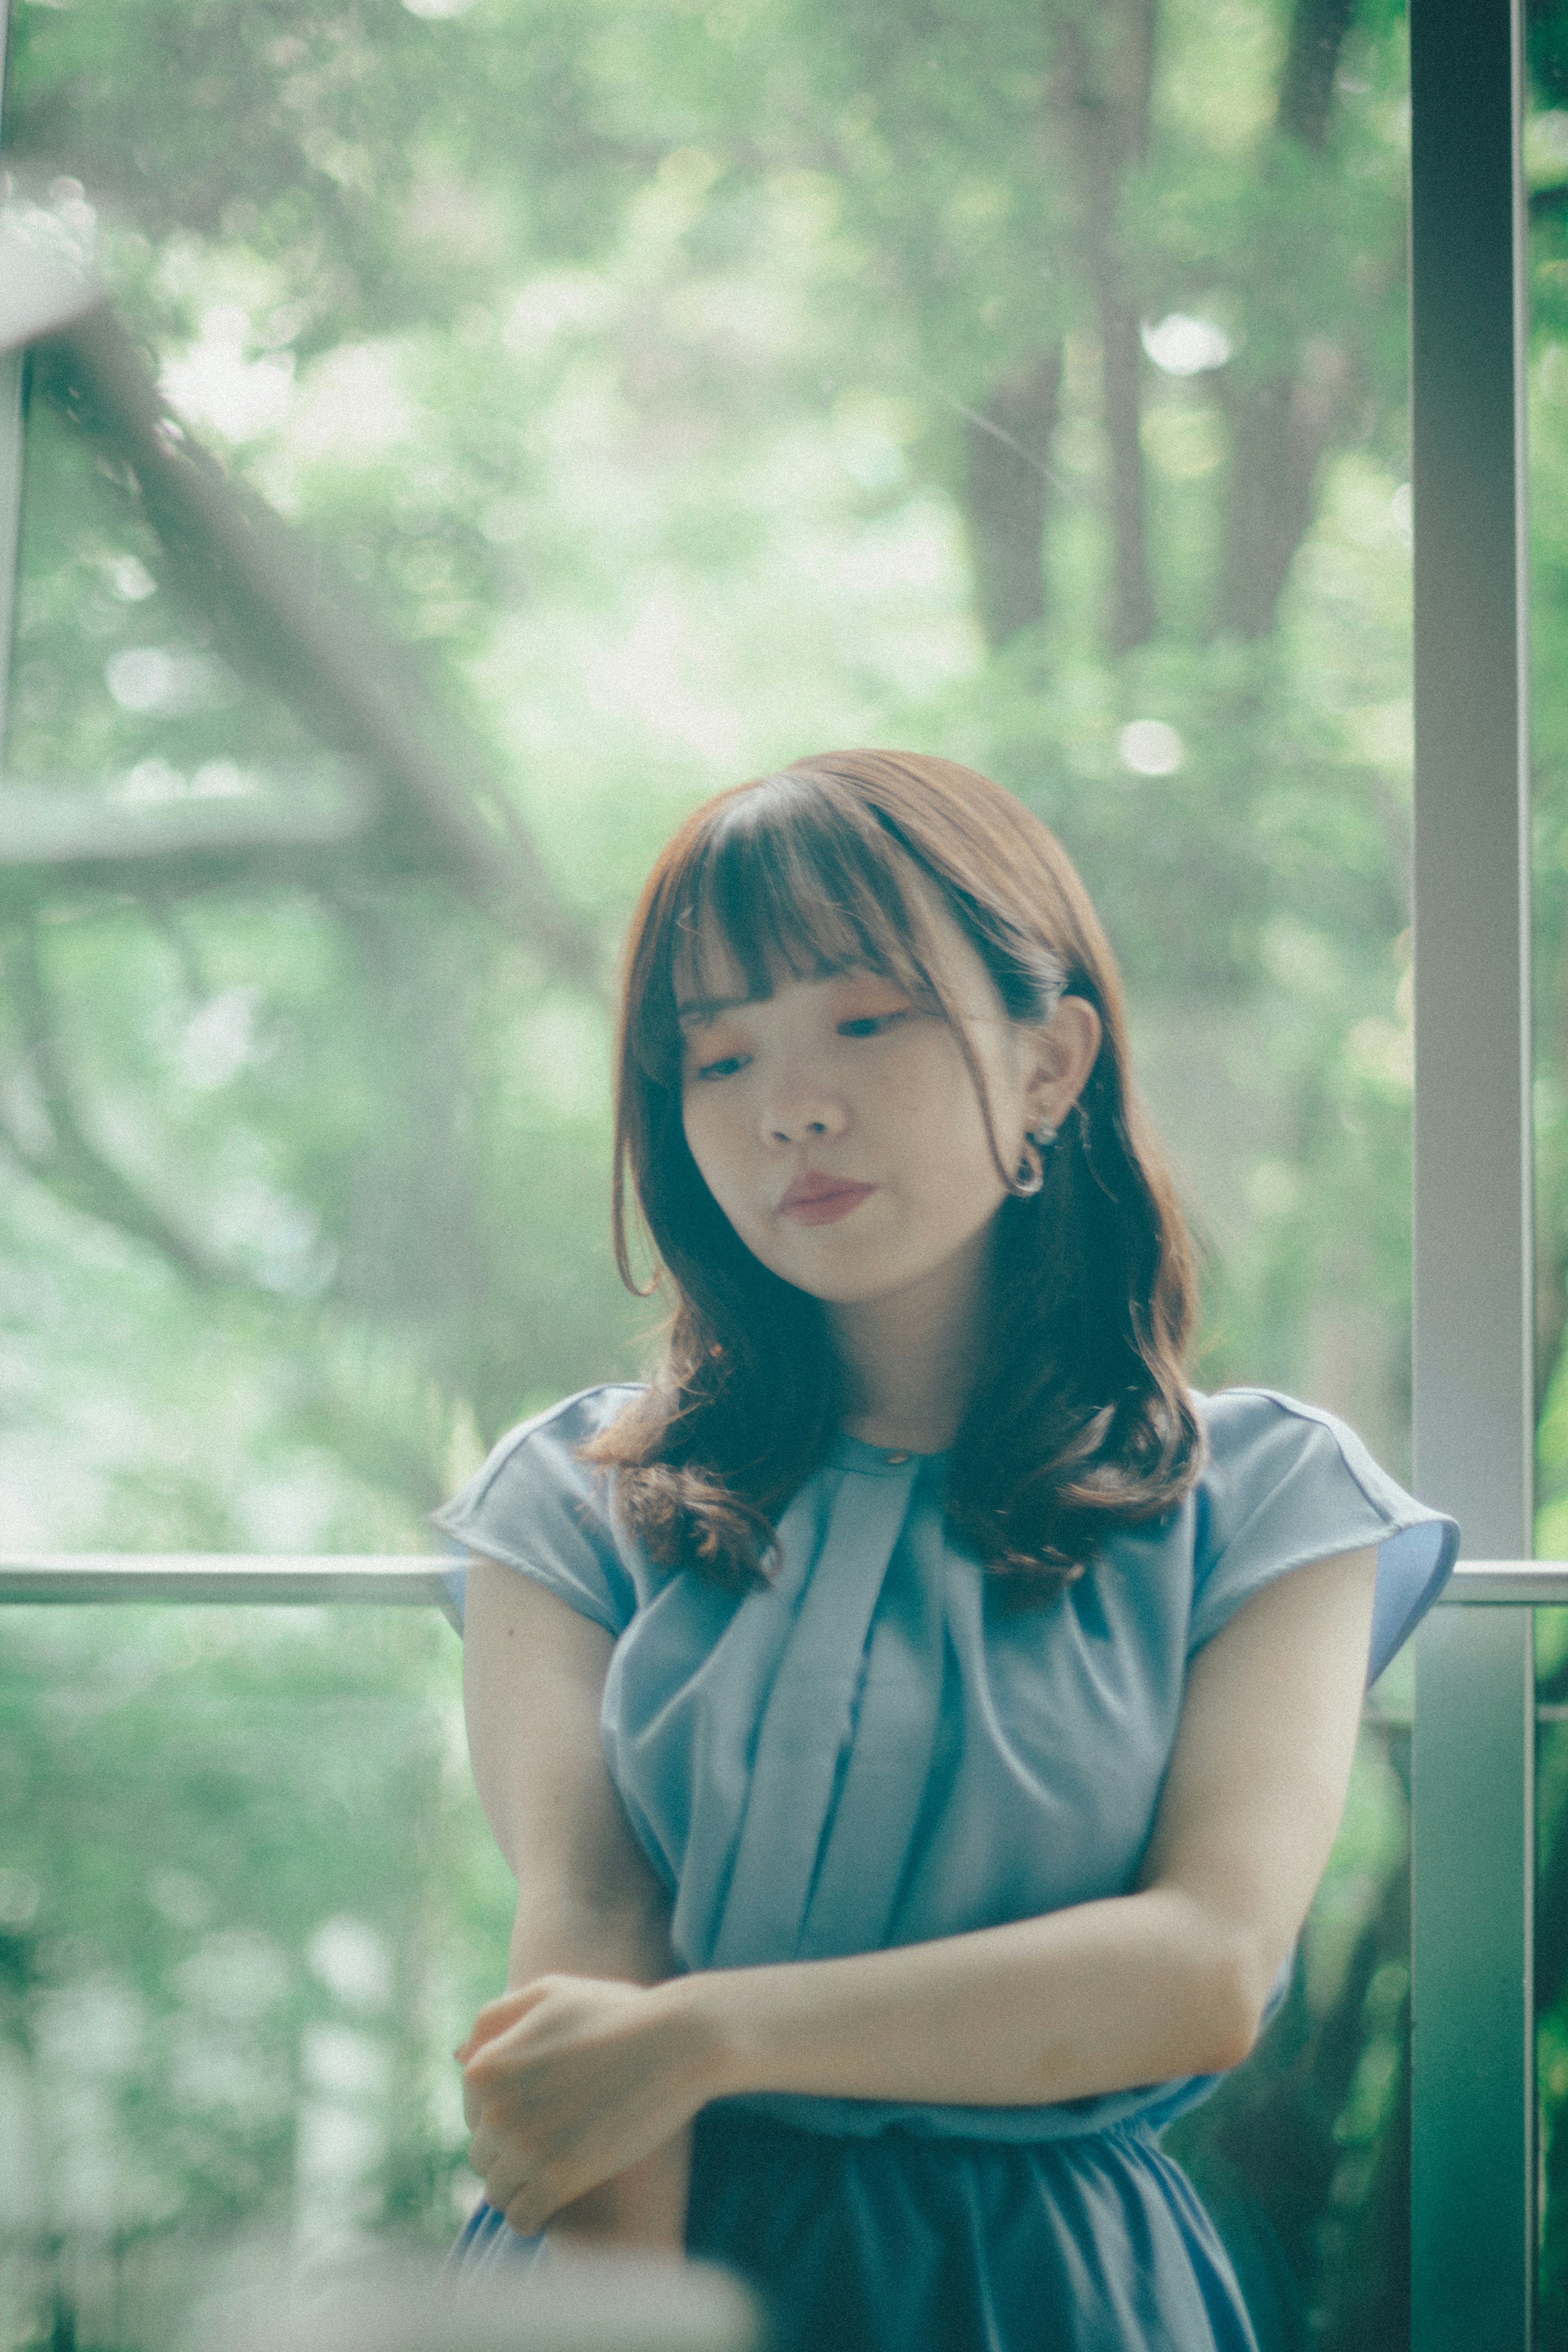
{"x":70,"y":1164}
{"x":303,"y":835}
{"x":291,"y":618}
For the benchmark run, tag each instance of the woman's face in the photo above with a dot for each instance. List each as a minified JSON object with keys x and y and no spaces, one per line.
{"x":837,"y":1125}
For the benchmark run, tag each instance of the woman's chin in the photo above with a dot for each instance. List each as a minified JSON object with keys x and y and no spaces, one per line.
{"x":859,"y":1285}
{"x":833,"y":1285}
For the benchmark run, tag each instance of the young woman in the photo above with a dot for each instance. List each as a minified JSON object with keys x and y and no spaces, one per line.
{"x":916,"y":1720}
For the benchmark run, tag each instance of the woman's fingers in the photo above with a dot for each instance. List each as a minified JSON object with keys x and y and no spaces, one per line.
{"x":527,"y":2211}
{"x":517,"y":2182}
{"x":496,"y":2015}
{"x":501,"y":2163}
{"x":574,"y":2082}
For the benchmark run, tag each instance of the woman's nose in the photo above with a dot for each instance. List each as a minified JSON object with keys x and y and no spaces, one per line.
{"x":799,"y":1110}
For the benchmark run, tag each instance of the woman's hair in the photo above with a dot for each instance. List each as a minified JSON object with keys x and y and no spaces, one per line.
{"x":1080,"y":1420}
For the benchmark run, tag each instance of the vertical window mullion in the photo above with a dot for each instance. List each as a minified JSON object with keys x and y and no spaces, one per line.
{"x":1472,"y":2065}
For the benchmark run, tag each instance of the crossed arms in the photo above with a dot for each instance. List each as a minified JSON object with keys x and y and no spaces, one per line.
{"x":582,"y":2081}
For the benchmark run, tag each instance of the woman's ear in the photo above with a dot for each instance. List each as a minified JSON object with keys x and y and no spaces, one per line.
{"x":1065,"y":1052}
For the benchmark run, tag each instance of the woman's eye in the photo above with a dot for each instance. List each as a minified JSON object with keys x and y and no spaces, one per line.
{"x":871,"y":1025}
{"x":725,"y":1068}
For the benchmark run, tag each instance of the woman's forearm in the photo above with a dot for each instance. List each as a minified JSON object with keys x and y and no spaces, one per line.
{"x":555,"y":1931}
{"x":1136,"y":1989}
{"x":579,"y":2081}
{"x":644,"y":2206}
{"x":558,"y":1932}
{"x":589,"y":2077}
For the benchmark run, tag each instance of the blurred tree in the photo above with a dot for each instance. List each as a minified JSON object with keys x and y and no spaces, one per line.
{"x":522,"y":419}
{"x":999,"y":189}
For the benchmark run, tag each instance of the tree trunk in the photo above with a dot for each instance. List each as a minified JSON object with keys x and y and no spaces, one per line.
{"x":1280,"y":427}
{"x":1007,"y":497}
{"x":1107,"y":73}
{"x":1318,"y":29}
{"x":1132,"y":595}
{"x":1279,"y":431}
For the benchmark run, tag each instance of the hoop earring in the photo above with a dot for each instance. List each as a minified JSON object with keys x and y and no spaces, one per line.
{"x":1031,"y":1174}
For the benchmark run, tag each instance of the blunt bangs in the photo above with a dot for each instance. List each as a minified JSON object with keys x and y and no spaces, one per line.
{"x":788,"y":879}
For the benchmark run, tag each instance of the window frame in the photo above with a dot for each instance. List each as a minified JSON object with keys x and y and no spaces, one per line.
{"x":1473,"y":2079}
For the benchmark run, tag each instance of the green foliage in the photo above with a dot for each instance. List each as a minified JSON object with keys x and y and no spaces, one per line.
{"x":629,"y":361}
{"x":267,"y":1963}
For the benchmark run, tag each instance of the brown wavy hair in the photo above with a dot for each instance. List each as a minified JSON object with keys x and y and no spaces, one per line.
{"x":1080,"y":1420}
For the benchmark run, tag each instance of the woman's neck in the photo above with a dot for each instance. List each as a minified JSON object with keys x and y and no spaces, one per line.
{"x":910,"y":1357}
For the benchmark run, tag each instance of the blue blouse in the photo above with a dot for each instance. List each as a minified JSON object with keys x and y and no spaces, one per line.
{"x":872,"y":1749}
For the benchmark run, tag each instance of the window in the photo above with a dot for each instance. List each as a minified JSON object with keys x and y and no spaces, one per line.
{"x":512,"y":421}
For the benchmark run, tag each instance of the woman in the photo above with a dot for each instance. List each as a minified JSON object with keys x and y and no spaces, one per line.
{"x":920,"y":1721}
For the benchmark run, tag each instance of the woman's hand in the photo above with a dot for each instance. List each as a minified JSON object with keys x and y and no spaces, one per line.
{"x":572,"y":2081}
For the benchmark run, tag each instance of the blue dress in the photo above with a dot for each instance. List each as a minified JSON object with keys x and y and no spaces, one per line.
{"x":873,"y":1750}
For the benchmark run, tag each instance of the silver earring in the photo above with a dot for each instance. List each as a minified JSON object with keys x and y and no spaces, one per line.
{"x":1032,"y":1166}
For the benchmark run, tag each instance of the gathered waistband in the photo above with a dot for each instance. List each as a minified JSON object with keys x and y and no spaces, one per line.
{"x":1145,"y":2111}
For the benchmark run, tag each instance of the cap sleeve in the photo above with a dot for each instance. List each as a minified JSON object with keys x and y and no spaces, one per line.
{"x":538,"y":1507}
{"x":1286,"y":1484}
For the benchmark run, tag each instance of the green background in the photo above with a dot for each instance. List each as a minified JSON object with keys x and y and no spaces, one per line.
{"x":604,"y":404}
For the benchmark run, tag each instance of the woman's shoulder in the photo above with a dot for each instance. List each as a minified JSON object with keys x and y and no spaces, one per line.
{"x":1256,"y":1438}
{"x":554,"y":1437}
{"x":537,"y":1506}
{"x":1284,"y":1484}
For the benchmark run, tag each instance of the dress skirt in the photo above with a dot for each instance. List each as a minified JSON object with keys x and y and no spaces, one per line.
{"x":903,"y":2243}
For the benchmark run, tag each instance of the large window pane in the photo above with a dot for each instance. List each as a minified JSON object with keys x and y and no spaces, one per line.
{"x":607,"y":403}
{"x":247,"y":1909}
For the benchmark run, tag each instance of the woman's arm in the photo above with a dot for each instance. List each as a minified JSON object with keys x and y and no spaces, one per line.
{"x":1168,"y":1981}
{"x":588,"y":1903}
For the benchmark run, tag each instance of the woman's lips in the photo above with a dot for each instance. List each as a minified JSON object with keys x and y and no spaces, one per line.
{"x":823,"y":1204}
